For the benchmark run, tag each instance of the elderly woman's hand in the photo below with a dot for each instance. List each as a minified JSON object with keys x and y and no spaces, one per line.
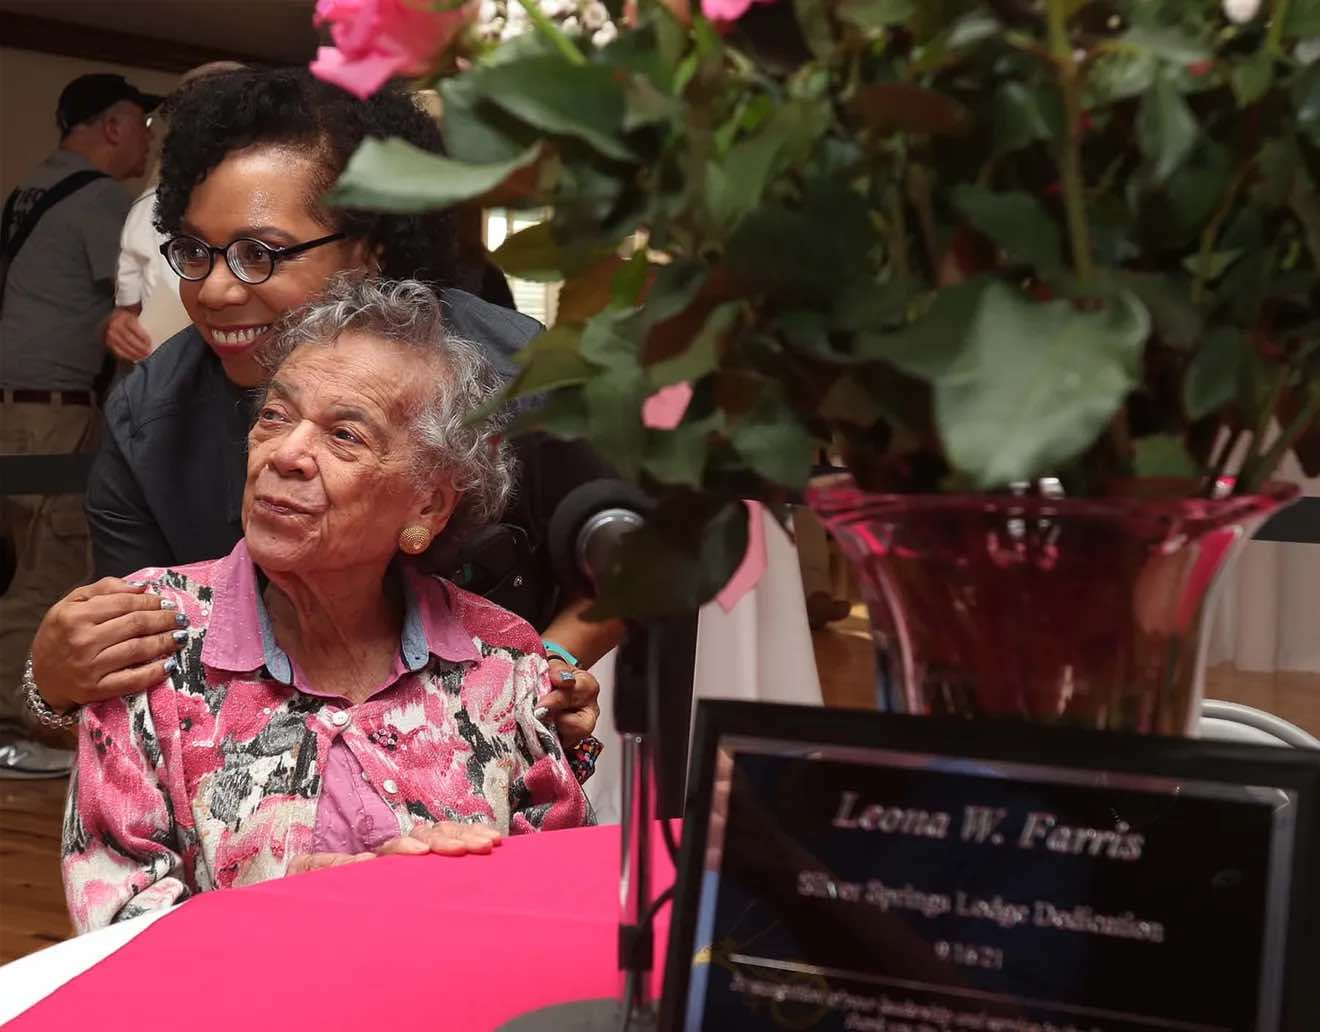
{"x":573,"y":702}
{"x":448,"y":838}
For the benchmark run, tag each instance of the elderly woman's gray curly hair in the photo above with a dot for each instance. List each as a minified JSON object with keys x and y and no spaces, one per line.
{"x":473,"y":456}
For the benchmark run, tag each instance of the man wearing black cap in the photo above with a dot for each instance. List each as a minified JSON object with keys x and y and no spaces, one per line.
{"x":60,"y":239}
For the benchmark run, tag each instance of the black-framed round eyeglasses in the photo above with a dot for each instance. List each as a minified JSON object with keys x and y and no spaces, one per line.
{"x":250,"y":260}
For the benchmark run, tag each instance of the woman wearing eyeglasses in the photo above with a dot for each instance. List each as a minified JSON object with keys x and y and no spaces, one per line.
{"x":247,"y":160}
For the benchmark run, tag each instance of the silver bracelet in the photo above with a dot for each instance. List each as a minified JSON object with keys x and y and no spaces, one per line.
{"x":39,"y":707}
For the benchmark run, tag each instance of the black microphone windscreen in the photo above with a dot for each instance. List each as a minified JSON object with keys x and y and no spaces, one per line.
{"x":576,"y":508}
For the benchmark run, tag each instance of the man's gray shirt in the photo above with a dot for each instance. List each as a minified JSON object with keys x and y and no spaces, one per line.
{"x":61,"y":285}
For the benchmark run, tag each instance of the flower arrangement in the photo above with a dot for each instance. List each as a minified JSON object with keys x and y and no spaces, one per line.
{"x":965,"y":243}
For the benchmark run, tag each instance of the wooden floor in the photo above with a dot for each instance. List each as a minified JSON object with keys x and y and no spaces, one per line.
{"x":32,"y":911}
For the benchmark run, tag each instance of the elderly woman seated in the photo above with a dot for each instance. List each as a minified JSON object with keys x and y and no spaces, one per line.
{"x":331,"y":704}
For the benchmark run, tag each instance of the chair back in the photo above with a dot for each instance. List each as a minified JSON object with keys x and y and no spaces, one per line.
{"x":1234,"y":722}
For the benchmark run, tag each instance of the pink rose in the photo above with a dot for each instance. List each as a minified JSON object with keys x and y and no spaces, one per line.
{"x":375,"y":40}
{"x":728,"y":10}
{"x":664,"y":409}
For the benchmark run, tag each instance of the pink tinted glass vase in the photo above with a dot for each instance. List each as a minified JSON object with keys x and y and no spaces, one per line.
{"x":1090,"y":612}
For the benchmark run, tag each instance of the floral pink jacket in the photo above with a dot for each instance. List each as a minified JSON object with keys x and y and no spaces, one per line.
{"x":212,"y":778}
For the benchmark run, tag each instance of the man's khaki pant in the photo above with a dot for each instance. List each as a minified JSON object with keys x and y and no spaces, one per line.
{"x":48,"y":533}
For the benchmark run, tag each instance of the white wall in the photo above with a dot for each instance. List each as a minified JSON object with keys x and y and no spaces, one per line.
{"x":30,"y":85}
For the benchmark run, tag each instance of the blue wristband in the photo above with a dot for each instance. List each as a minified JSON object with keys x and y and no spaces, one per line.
{"x":555,"y":649}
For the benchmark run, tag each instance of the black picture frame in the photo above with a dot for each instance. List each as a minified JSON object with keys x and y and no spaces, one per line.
{"x":1293,"y":770}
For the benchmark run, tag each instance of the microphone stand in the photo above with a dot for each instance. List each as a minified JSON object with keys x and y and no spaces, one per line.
{"x":634,"y":1007}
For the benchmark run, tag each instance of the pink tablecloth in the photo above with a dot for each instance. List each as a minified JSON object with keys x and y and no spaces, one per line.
{"x":402,"y":942}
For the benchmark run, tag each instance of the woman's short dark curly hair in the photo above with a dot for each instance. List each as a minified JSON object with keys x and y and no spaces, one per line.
{"x":219,"y":114}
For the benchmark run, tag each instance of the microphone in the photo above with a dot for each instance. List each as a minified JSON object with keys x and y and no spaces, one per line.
{"x":587,"y":526}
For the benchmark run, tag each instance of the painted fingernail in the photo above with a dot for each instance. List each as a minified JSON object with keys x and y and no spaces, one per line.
{"x":168,"y":603}
{"x":180,"y":636}
{"x":137,"y":584}
{"x":171,"y":665}
{"x":181,"y":619}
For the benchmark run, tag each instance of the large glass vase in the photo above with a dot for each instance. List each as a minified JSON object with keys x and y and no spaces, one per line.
{"x":1090,"y":612}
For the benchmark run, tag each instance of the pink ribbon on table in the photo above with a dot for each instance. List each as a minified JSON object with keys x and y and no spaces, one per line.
{"x":754,"y":561}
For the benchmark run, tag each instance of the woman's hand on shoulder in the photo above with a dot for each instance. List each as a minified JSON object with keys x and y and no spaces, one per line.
{"x":104,"y":640}
{"x":573,"y":702}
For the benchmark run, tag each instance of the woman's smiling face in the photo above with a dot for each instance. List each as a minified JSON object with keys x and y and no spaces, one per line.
{"x":260,"y":192}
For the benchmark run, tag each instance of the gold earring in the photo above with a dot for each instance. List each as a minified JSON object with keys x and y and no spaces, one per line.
{"x":415,"y":540}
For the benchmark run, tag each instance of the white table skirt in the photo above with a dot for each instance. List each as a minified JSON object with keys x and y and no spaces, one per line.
{"x":28,"y":980}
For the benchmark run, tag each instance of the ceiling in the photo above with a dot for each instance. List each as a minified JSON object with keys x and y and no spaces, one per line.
{"x":274,"y":31}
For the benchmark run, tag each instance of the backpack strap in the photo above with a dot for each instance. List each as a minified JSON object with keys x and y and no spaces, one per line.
{"x":7,"y":222}
{"x":16,"y":236}
{"x":13,"y":237}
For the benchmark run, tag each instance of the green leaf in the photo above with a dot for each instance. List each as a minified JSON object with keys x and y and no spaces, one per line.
{"x":678,"y":456}
{"x":774,"y":443}
{"x":1194,"y":191}
{"x":931,"y":347}
{"x":876,"y":14}
{"x":735,"y":185}
{"x":646,"y":104}
{"x":864,"y":304}
{"x":676,"y":286}
{"x":652,"y":49}
{"x":393,"y":175}
{"x":551,"y":360}
{"x":703,"y":354}
{"x":798,"y":254}
{"x":614,"y":413}
{"x":1025,"y":115}
{"x":970,"y":28}
{"x":1163,"y":455}
{"x":1121,"y":76}
{"x":475,"y":130}
{"x":1167,"y":43}
{"x":535,"y":254}
{"x":1303,"y":19}
{"x":630,"y":279}
{"x":814,"y":21}
{"x":1219,"y":263}
{"x":561,"y":414}
{"x":1167,"y":297}
{"x":613,"y":339}
{"x":807,"y":332}
{"x":581,"y":101}
{"x":1306,"y":101}
{"x":1166,"y":129}
{"x":1015,"y":221}
{"x":1215,"y":372}
{"x":1253,"y":77}
{"x":1036,"y":384}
